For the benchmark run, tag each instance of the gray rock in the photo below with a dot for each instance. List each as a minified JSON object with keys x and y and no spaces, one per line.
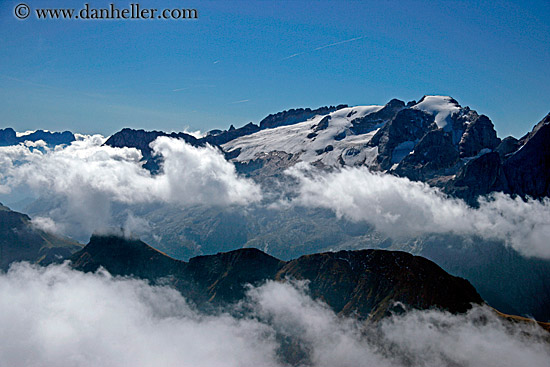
{"x":479,"y":134}
{"x":433,"y":154}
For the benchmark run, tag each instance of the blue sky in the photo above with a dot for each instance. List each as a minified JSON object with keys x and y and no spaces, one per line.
{"x":232,"y":65}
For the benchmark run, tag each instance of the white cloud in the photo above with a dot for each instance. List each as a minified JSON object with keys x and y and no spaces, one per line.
{"x":401,"y":208}
{"x":46,"y":224}
{"x":478,"y":338}
{"x":56,"y":316}
{"x":195,"y":133}
{"x":83,"y":180}
{"x":199,"y":176}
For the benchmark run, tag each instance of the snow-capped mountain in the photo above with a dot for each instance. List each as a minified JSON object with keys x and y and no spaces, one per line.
{"x":377,"y":136}
{"x":434,"y":140}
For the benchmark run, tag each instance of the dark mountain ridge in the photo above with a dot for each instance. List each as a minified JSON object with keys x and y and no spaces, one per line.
{"x":20,"y":240}
{"x":366,"y":283}
{"x":8,"y":137}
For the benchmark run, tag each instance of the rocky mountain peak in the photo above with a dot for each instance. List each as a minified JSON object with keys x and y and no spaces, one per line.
{"x":480,"y":134}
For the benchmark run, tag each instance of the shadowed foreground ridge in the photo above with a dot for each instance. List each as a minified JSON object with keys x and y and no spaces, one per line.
{"x":20,"y":240}
{"x":366,"y":283}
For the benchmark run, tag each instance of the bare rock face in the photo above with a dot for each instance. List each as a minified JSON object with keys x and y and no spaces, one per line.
{"x":479,"y":176}
{"x":528,"y":169}
{"x":223,"y":137}
{"x":140,"y":139}
{"x":514,"y":167}
{"x":8,"y":137}
{"x":480,"y":134}
{"x":369,"y":122}
{"x":507,"y":146}
{"x":408,"y":125}
{"x":433,"y":154}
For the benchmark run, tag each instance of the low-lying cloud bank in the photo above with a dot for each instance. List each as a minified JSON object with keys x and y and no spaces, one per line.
{"x":401,"y":208}
{"x":85,"y":179}
{"x":56,"y":316}
{"x":87,"y":187}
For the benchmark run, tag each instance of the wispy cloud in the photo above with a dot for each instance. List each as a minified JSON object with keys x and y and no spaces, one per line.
{"x":241,"y":101}
{"x":193,"y":87}
{"x":28,"y":82}
{"x":323,"y":47}
{"x":294,"y":55}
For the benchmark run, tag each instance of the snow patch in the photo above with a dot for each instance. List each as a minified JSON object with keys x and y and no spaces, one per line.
{"x":28,"y":132}
{"x":402,"y":150}
{"x":441,"y":107}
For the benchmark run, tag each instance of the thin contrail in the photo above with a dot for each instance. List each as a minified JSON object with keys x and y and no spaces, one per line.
{"x":339,"y":43}
{"x":322,"y":47}
{"x":291,"y":56}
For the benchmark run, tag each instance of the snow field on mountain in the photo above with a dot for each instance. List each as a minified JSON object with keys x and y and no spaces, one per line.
{"x":294,"y":139}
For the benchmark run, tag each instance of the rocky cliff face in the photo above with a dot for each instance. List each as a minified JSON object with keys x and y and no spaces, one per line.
{"x":397,"y":138}
{"x":8,"y":137}
{"x":433,"y":156}
{"x":371,"y":121}
{"x":528,"y":168}
{"x":479,"y":134}
{"x":367,"y":283}
{"x":514,"y":167}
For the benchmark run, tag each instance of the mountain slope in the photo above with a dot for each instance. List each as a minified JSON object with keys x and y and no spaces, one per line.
{"x":20,"y":240}
{"x":528,"y":168}
{"x":365,"y":283}
{"x":372,"y":281}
